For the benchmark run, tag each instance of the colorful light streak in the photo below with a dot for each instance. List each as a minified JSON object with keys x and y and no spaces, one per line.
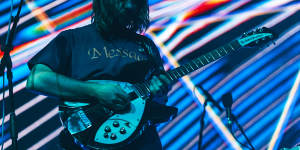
{"x":289,"y":106}
{"x":41,"y":16}
{"x":46,"y":139}
{"x":30,"y":16}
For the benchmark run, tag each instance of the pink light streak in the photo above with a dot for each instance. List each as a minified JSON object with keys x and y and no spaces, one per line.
{"x":26,"y":106}
{"x":33,"y":126}
{"x":30,"y":16}
{"x":46,"y":139}
{"x":289,"y":106}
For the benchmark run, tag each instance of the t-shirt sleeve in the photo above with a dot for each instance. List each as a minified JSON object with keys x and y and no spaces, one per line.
{"x":55,"y":55}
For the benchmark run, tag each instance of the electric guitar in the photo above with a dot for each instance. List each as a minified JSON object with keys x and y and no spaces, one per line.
{"x":101,"y":128}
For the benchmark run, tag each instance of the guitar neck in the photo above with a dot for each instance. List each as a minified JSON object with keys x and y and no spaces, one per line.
{"x":203,"y":60}
{"x":144,"y":90}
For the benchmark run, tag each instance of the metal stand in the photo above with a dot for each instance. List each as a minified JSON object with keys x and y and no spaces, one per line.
{"x":7,"y":63}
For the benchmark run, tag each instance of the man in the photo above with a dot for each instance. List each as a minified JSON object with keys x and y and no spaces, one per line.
{"x":107,"y":49}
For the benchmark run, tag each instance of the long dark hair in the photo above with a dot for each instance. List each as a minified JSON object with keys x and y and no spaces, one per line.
{"x":104,"y":17}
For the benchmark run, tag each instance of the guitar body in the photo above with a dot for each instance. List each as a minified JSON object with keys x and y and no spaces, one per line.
{"x":107,"y":130}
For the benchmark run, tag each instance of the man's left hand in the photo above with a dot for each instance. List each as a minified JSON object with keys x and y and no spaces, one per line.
{"x":159,"y":85}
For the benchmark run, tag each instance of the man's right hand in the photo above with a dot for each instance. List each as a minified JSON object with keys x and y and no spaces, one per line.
{"x":111,"y":96}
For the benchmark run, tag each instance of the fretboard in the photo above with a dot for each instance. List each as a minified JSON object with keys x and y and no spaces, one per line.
{"x":203,"y":60}
{"x":144,"y":90}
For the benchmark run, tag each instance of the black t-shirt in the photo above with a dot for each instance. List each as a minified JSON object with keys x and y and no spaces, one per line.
{"x":83,"y":54}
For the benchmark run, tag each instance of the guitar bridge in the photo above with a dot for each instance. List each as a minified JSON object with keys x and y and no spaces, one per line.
{"x":78,"y":122}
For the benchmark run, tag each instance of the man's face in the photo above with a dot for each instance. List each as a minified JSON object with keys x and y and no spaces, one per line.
{"x":128,"y":10}
{"x":122,"y":14}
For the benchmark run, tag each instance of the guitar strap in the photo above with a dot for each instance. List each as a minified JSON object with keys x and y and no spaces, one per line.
{"x":150,"y":54}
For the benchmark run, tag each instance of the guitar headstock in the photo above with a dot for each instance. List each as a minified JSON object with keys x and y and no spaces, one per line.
{"x":257,"y":37}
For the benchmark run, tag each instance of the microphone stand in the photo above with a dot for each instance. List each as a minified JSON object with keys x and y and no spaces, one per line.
{"x":231,"y":116}
{"x":227,"y":102}
{"x":242,"y":131}
{"x":7,"y":63}
{"x":210,"y":99}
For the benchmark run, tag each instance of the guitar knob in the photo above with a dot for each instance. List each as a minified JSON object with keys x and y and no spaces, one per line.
{"x":113,"y":136}
{"x":107,"y":129}
{"x":122,"y":130}
{"x":116,"y":124}
{"x":105,"y":135}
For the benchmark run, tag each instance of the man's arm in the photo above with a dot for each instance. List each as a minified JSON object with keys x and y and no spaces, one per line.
{"x":42,"y":79}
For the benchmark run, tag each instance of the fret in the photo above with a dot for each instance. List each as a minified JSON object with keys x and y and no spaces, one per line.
{"x":231,"y":47}
{"x":199,"y":60}
{"x":185,"y":68}
{"x":182,"y":72}
{"x":220,"y":50}
{"x":206,"y":59}
{"x":203,"y":60}
{"x":147,"y":86}
{"x":226,"y":50}
{"x":170,"y":72}
{"x":191,"y":66}
{"x":219,"y":54}
{"x":177,"y":74}
{"x":212,"y":56}
{"x":223,"y":50}
{"x":188,"y":68}
{"x":193,"y":61}
{"x":169,"y":75}
{"x":173,"y":74}
{"x":139,"y":88}
{"x":209,"y":57}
